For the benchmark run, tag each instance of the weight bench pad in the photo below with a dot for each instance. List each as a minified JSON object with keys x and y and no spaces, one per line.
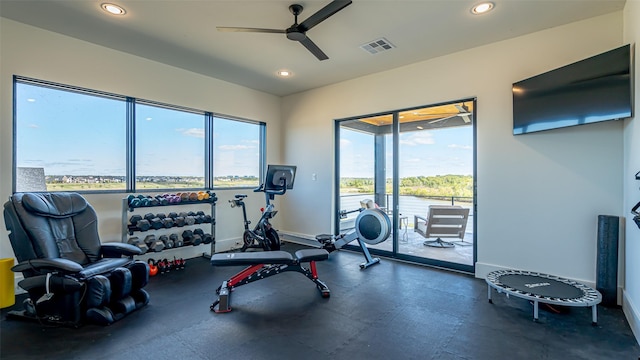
{"x":308,"y":255}
{"x":252,"y":258}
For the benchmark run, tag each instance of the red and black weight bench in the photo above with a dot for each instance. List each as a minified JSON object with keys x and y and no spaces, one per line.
{"x":262,"y":265}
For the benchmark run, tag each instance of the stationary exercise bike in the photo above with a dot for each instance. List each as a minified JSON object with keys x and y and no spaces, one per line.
{"x":263,"y":236}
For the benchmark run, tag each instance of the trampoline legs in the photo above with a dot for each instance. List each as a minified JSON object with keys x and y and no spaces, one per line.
{"x":594,"y":315}
{"x":535,"y":310}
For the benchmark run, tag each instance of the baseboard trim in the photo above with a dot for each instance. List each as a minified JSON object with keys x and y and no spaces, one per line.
{"x":631,"y":313}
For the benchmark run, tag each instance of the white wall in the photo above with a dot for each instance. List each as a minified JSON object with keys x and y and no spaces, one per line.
{"x":538,"y":195}
{"x":32,"y":52}
{"x":631,"y":293}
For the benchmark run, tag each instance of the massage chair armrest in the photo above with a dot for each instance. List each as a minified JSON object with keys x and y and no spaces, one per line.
{"x":48,"y":265}
{"x":117,"y":249}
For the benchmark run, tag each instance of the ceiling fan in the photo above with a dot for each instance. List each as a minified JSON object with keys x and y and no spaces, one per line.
{"x":298,"y":32}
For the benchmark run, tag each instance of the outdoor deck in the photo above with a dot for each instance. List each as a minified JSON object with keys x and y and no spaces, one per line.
{"x":411,"y":242}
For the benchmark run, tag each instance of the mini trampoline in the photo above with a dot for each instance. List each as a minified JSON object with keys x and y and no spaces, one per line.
{"x":543,"y":288}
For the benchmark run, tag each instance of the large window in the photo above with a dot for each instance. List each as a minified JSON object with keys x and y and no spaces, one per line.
{"x":169,"y":148}
{"x":236,"y":153}
{"x":73,"y":139}
{"x":68,"y":140}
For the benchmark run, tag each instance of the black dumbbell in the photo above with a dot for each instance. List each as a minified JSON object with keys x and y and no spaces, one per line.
{"x":207,"y":219}
{"x":187,"y":236}
{"x":135,"y":241}
{"x":134,"y":219}
{"x":180,"y":221}
{"x":156,"y":223}
{"x":196,"y":240}
{"x":154,"y":244}
{"x":149,"y":216}
{"x":167,"y":222}
{"x":177,"y":242}
{"x":161,"y":215}
{"x":143,"y":225}
{"x":168,"y":243}
{"x":206,"y":238}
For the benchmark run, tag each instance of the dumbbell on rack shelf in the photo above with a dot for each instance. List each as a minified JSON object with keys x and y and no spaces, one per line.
{"x":137,"y":242}
{"x":177,"y":242}
{"x":206,"y":237}
{"x":168,"y":243}
{"x":155,"y":245}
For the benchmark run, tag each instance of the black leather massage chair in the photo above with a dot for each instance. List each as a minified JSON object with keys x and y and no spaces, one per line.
{"x":70,"y":276}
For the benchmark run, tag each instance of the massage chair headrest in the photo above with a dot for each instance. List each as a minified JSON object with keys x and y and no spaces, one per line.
{"x":54,"y":205}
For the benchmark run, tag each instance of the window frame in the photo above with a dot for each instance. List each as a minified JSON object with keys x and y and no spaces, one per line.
{"x":130,"y":141}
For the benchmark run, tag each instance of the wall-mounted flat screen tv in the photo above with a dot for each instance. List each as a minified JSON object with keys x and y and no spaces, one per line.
{"x":588,"y":91}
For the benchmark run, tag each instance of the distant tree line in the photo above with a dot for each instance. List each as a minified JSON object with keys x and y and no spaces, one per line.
{"x":425,"y":186}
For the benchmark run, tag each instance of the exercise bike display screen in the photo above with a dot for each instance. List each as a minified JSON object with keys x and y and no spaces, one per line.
{"x":276,"y":174}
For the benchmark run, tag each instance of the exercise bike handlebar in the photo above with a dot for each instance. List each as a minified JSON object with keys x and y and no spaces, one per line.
{"x":281,"y":191}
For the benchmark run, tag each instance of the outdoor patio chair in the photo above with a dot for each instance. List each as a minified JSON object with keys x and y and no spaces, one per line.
{"x":442,"y":222}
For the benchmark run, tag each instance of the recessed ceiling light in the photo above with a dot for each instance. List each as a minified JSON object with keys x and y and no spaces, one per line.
{"x":284,"y":73}
{"x":482,"y":8}
{"x":113,"y":9}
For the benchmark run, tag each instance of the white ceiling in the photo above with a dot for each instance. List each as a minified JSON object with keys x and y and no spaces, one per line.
{"x":183,"y":33}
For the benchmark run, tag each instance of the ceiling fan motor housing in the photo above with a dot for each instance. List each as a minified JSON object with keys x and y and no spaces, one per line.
{"x":294,"y":34}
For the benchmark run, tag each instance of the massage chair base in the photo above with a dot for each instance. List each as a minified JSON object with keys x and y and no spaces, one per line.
{"x":106,"y":315}
{"x":100,"y":300}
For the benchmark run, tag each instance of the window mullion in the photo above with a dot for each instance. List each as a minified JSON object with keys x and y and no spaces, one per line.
{"x":208,"y":150}
{"x":131,"y":145}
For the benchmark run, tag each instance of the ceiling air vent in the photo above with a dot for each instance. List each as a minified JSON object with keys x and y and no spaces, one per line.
{"x":377,"y":46}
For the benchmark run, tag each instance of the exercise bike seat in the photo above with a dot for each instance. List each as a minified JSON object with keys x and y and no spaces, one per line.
{"x":240,"y":196}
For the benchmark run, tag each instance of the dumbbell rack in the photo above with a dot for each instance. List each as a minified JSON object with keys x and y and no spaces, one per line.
{"x":129,"y":230}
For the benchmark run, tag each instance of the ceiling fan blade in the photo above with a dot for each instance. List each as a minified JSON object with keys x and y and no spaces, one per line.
{"x":322,"y":14}
{"x":244,"y":29}
{"x":315,"y":50}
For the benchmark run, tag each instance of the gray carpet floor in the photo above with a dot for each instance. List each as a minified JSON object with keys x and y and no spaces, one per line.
{"x":392,"y":310}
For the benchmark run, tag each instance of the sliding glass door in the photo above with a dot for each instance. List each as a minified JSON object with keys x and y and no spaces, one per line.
{"x":408,"y":162}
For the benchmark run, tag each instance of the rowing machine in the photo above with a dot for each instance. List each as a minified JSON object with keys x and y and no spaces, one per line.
{"x":372,"y":227}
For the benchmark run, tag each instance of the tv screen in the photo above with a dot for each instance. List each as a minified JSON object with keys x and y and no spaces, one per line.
{"x":588,"y":91}
{"x":276,"y":174}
